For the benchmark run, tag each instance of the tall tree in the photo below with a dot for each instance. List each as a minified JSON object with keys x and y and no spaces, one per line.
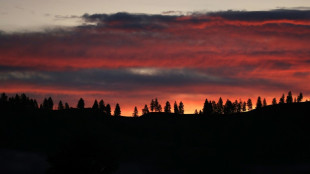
{"x":243,"y":106}
{"x":220,"y":107}
{"x":60,"y":105}
{"x":135,"y":112}
{"x":67,"y":106}
{"x":101,"y":106}
{"x":289,"y":98}
{"x":117,"y":111}
{"x":50,"y":103}
{"x":176,"y":108}
{"x":81,"y":104}
{"x":249,"y":104}
{"x":152,"y":105}
{"x":259,"y":103}
{"x":181,"y":108}
{"x":145,"y":110}
{"x":300,"y":97}
{"x":108,"y":110}
{"x":207,"y":108}
{"x":228,"y":107}
{"x":95,"y":105}
{"x":281,"y":101}
{"x":167,"y":108}
{"x":274,"y":101}
{"x":264,"y":103}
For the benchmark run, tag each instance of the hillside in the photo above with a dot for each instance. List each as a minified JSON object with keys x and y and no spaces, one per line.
{"x":275,"y":139}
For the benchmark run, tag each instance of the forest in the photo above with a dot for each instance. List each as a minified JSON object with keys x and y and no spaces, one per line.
{"x":230,"y":137}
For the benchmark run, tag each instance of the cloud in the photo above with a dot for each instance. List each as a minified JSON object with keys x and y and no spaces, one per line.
{"x":122,"y":54}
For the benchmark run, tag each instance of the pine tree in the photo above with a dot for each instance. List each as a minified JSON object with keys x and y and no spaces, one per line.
{"x":95,"y":105}
{"x":60,"y":105}
{"x":145,"y":110}
{"x":50,"y":103}
{"x":101,"y":106}
{"x":181,"y":108}
{"x":167,"y":108}
{"x":81,"y":104}
{"x":117,"y":111}
{"x":108,"y":110}
{"x":228,"y":107}
{"x":196,"y":112}
{"x":289,"y":98}
{"x":264,"y":103}
{"x":152,"y":105}
{"x":274,"y":101}
{"x":135,"y":112}
{"x":300,"y":97}
{"x":243,"y":106}
{"x":220,"y":107}
{"x":249,"y":104}
{"x":259,"y":103}
{"x":67,"y":106}
{"x":281,"y":101}
{"x":176,"y":108}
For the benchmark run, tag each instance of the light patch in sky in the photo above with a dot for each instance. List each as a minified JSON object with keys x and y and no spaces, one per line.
{"x":37,"y":15}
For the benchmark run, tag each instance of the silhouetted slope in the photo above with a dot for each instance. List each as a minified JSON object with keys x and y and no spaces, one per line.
{"x":272,"y":136}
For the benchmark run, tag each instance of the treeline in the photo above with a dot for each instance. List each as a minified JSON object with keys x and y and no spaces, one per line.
{"x":210,"y":107}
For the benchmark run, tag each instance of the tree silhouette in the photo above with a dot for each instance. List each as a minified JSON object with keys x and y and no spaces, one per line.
{"x":300,"y":97}
{"x":289,"y":98}
{"x":108,"y":110}
{"x":259,"y":103}
{"x":228,"y":107}
{"x":220,"y":107}
{"x":167,"y":108}
{"x":176,"y":108}
{"x":281,"y":101}
{"x":196,"y":112}
{"x":237,"y":106}
{"x":67,"y":106}
{"x":135,"y":112}
{"x":101,"y":106}
{"x":181,"y":108}
{"x":264,"y":103}
{"x":95,"y":105}
{"x":152,"y":105}
{"x":249,"y":104}
{"x":243,"y":106}
{"x":81,"y":104}
{"x":207,"y":108}
{"x":117,"y":111}
{"x":145,"y":110}
{"x":60,"y":105}
{"x":274,"y":101}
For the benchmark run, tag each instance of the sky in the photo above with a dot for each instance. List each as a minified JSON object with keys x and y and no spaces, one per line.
{"x":133,"y":52}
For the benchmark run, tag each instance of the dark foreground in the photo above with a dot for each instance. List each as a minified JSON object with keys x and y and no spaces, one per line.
{"x":275,"y":139}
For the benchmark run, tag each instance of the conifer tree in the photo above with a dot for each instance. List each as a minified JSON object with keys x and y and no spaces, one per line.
{"x":176,"y":108}
{"x":60,"y":105}
{"x":152,"y":105}
{"x":274,"y":101}
{"x":167,"y":108}
{"x":220,"y":107}
{"x":117,"y":111}
{"x":108,"y":110}
{"x":249,"y":104}
{"x":101,"y":106}
{"x":67,"y":106}
{"x":259,"y":103}
{"x":135,"y":112}
{"x":289,"y":98}
{"x":181,"y":108}
{"x":281,"y":101}
{"x":81,"y":104}
{"x":145,"y":110}
{"x":243,"y":106}
{"x":95,"y":105}
{"x":300,"y":97}
{"x":264,"y":103}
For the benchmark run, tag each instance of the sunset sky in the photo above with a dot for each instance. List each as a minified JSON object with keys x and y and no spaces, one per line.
{"x":132,"y":51}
